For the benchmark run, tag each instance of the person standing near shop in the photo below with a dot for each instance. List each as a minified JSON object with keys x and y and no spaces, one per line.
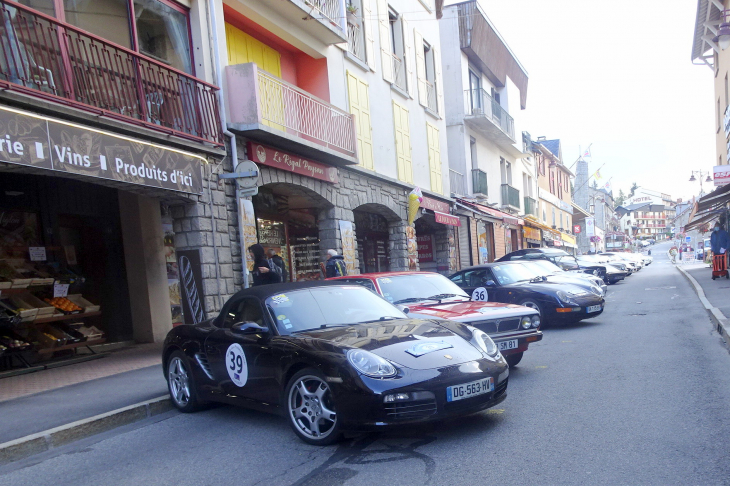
{"x":279,"y":262}
{"x":335,"y":266}
{"x":262,"y":272}
{"x":720,"y":240}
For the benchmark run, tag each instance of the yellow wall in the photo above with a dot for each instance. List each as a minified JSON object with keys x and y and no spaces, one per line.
{"x":243,"y":48}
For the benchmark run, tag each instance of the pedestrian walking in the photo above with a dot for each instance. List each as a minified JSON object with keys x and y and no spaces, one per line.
{"x":335,"y":266}
{"x":279,"y":262}
{"x":263,"y":273}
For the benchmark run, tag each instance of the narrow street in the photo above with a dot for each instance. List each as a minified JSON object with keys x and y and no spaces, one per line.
{"x":636,"y":396}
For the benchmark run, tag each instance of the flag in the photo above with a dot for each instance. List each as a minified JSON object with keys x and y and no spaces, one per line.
{"x":597,"y":175}
{"x":607,"y":186}
{"x":587,"y":153}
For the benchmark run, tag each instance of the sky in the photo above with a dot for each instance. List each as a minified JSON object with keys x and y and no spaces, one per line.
{"x":617,"y":75}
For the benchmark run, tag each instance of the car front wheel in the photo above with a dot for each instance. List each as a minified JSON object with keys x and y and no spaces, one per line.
{"x":180,"y":384}
{"x":311,"y":408}
{"x":513,"y":359}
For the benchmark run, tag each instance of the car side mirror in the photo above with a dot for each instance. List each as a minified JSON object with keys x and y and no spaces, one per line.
{"x":248,"y":328}
{"x":490,"y":283}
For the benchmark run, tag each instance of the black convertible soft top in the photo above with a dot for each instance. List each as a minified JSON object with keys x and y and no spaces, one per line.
{"x":264,"y":291}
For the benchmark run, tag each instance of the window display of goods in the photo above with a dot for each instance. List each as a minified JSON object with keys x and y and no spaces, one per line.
{"x":64,"y":305}
{"x":19,"y":307}
{"x":12,"y":341}
{"x":91,"y":332}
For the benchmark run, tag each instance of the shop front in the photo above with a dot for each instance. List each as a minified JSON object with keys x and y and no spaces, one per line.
{"x":88,"y":251}
{"x":532,"y":236}
{"x":436,"y":237}
{"x":305,"y":207}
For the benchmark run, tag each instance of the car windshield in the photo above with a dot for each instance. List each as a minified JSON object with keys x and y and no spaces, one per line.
{"x":313,"y":308}
{"x":401,"y":289}
{"x":547,"y":266}
{"x":508,"y":274}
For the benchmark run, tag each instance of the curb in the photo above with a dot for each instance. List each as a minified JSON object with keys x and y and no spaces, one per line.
{"x":58,"y":436}
{"x":722,"y":322}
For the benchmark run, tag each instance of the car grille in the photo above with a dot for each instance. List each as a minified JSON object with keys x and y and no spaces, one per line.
{"x":500,"y":389}
{"x":410,"y":410}
{"x":497,"y":325}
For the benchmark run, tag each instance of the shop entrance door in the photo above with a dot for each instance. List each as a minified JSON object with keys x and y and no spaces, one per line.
{"x":373,"y":249}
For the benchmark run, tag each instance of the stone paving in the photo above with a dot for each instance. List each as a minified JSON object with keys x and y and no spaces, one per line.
{"x":132,"y":358}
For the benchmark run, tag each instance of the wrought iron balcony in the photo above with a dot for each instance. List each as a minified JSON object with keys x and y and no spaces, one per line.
{"x":457,"y":183}
{"x":431,"y":97}
{"x":355,"y":44}
{"x":486,"y":112}
{"x":45,"y":58}
{"x":510,"y":197}
{"x":399,"y":72}
{"x":530,"y":206}
{"x":268,"y":108}
{"x":479,"y":182}
{"x":322,"y":19}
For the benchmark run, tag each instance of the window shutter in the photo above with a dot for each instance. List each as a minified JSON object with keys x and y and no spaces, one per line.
{"x":408,"y":58}
{"x":402,"y":143}
{"x":420,"y":68}
{"x":386,"y":57}
{"x":367,"y":21}
{"x":439,"y":81}
{"x":360,"y":107}
{"x":434,"y":158}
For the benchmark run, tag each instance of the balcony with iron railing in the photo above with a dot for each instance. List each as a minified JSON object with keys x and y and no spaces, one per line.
{"x":530,"y":206}
{"x":457,"y":183}
{"x":510,"y":197}
{"x":269,"y":109}
{"x":399,"y":72}
{"x":486,"y":115}
{"x":45,"y":58}
{"x":355,"y":43}
{"x":322,"y":19}
{"x":431,"y":99}
{"x":479,"y":182}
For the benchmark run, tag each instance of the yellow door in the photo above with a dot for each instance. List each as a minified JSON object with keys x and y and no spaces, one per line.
{"x":242,"y":48}
{"x":402,"y":143}
{"x":434,"y":158}
{"x":357,"y":90}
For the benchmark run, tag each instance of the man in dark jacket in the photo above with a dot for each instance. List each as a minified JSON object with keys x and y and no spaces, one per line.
{"x":279,"y":262}
{"x":335,"y":266}
{"x":720,"y":240}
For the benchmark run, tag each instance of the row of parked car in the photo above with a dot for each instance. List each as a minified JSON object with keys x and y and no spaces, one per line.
{"x":373,"y":350}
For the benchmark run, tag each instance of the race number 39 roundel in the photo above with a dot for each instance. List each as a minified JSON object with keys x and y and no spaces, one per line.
{"x":480,"y":294}
{"x":236,"y":364}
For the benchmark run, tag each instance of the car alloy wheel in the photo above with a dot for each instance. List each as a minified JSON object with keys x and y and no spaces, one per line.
{"x":181,"y":385}
{"x":179,"y":382}
{"x":311,"y":408}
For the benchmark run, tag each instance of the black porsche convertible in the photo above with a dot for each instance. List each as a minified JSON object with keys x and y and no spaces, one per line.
{"x":332,"y":357}
{"x":511,"y":283}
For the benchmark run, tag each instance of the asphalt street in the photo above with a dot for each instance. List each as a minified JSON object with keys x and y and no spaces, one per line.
{"x":639,"y":395}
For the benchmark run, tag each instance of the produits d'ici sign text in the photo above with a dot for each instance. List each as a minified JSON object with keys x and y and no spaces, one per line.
{"x":45,"y":143}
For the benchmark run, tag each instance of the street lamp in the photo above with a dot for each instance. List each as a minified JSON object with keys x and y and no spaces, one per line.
{"x":723,"y":34}
{"x":702,"y":173}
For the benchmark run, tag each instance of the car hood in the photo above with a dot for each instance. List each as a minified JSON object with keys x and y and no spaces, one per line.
{"x":394,"y":339}
{"x":580,"y":282}
{"x":469,"y":310}
{"x":550,"y":288}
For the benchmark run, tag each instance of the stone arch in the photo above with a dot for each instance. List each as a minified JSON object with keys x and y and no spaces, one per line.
{"x":369,"y":237}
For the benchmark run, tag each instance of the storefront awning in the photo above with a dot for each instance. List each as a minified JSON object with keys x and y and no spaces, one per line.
{"x":717,"y":198}
{"x":448,"y":219}
{"x":703,"y":218}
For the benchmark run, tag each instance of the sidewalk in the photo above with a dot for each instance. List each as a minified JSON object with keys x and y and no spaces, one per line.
{"x":82,"y":399}
{"x":714,"y":295}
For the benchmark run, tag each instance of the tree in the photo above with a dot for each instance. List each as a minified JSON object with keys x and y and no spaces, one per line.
{"x":634,"y":187}
{"x":621,"y":198}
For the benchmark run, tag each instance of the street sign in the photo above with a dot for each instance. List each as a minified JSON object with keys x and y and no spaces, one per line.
{"x":688,"y":239}
{"x":576,"y":228}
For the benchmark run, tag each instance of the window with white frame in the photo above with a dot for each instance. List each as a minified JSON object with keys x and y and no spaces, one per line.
{"x":356,"y":29}
{"x":428,"y":56}
{"x":397,"y":49}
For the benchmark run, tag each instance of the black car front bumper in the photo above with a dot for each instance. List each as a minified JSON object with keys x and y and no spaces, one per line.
{"x":572,"y":313}
{"x":361,"y":405}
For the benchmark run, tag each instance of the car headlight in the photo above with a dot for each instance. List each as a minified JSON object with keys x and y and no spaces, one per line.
{"x":526,"y":323}
{"x":565,"y":298}
{"x":597,"y":290}
{"x":485,"y":343}
{"x":536,"y":321}
{"x":370,"y":364}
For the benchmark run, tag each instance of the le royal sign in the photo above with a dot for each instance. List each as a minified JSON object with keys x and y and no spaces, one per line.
{"x":46,"y":143}
{"x":292,"y":163}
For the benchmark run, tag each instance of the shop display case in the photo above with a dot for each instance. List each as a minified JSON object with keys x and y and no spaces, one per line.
{"x":305,"y":259}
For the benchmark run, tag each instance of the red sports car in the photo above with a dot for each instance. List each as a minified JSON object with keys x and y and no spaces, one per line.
{"x":428,"y":295}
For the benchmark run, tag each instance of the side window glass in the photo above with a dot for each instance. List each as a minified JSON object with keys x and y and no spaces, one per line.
{"x":475,"y":278}
{"x":245,"y":310}
{"x":458,"y":279}
{"x":365,"y":282}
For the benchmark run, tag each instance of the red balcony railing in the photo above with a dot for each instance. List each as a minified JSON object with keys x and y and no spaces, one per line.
{"x":57,"y":61}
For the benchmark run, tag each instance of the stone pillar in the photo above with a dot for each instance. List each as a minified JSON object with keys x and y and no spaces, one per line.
{"x":398,"y":246}
{"x":144,"y":255}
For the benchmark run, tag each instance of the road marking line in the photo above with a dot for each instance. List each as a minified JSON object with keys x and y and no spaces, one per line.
{"x":495,"y":411}
{"x":540,"y":367}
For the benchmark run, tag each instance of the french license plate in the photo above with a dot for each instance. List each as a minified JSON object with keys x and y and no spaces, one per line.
{"x":511,"y":344}
{"x":466,"y":390}
{"x":593,"y":308}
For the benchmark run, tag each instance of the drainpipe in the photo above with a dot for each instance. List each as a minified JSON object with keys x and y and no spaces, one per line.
{"x":213,"y":26}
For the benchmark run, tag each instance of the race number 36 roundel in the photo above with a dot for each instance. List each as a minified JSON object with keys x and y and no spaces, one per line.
{"x":236,"y":364}
{"x":480,"y":294}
